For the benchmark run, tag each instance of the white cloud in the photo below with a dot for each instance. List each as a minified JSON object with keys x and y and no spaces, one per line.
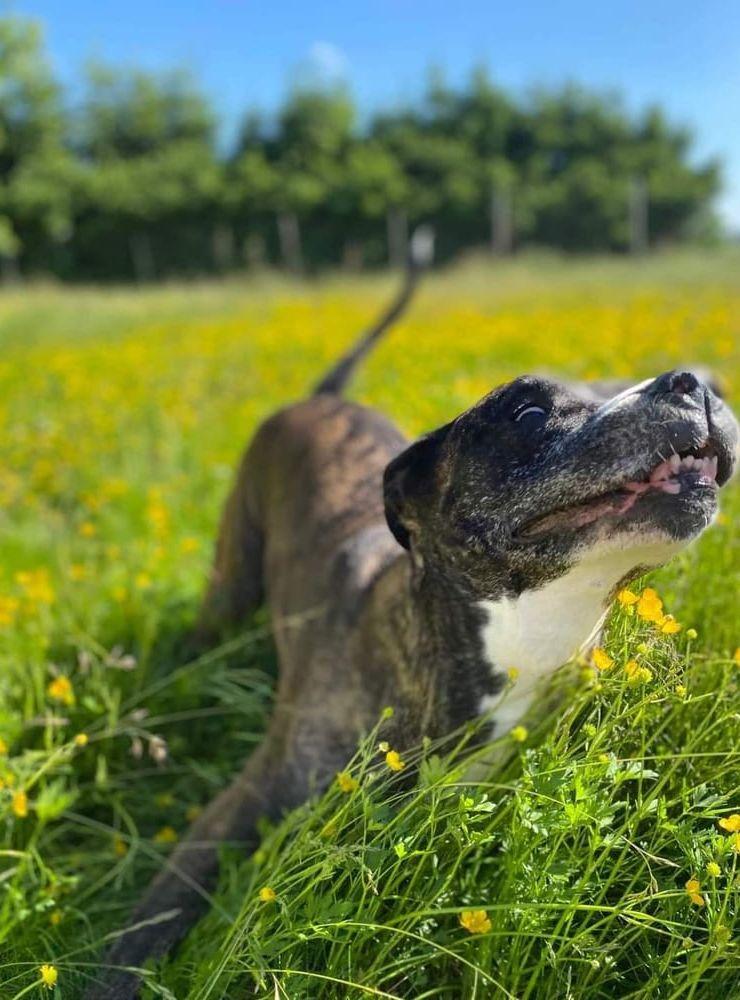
{"x":328,"y":61}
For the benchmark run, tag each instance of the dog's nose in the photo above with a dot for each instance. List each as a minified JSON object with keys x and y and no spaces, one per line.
{"x":675,"y":383}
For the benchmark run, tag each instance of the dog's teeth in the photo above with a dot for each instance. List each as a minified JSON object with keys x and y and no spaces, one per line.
{"x":670,"y":487}
{"x":687,"y":463}
{"x":674,"y":463}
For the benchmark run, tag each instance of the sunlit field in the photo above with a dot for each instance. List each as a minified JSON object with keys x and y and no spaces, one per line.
{"x":601,"y":860}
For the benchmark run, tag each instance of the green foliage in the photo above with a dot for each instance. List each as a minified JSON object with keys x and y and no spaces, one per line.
{"x":133,"y":182}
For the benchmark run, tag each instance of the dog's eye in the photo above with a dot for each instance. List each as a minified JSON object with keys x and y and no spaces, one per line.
{"x":532,"y":416}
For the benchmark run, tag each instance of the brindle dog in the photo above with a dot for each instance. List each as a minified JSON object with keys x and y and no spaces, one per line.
{"x":415,"y":575}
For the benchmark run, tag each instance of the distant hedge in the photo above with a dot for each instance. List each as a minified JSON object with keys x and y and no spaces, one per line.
{"x":131,"y":182}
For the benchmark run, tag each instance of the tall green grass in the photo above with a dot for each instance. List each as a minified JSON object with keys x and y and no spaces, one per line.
{"x":123,"y":414}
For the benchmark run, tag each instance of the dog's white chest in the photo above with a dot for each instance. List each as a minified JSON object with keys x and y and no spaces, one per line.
{"x":542,"y":629}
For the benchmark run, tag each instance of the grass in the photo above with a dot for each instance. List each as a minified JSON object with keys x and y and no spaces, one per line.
{"x":122,"y":415}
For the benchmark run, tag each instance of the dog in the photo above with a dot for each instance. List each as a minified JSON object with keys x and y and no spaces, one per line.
{"x":414,"y":575}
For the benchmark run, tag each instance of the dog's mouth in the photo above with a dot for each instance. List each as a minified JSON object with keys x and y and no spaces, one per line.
{"x":682,"y":473}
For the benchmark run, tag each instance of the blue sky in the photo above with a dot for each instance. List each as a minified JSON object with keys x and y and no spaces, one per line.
{"x":685,"y":56}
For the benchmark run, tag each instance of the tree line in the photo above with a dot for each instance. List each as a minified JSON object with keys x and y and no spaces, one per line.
{"x":130,"y":180}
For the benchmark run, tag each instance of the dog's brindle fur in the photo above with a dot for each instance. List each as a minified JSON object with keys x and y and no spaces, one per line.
{"x":427,"y":616}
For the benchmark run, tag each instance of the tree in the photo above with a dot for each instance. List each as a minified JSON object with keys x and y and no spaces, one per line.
{"x":37,"y":174}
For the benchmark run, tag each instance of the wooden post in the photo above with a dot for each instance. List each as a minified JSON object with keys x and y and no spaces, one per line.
{"x":397,"y":226}
{"x":638,"y":215}
{"x":223,"y":247}
{"x":289,"y":235}
{"x":142,"y":256}
{"x":502,"y":221}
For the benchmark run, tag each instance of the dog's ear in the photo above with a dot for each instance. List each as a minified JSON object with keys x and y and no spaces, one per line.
{"x":410,"y":482}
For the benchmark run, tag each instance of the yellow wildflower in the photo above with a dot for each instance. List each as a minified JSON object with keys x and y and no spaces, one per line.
{"x":8,"y":609}
{"x":681,"y":690}
{"x":143,"y":581}
{"x":346,"y":782}
{"x":692,"y":891}
{"x":714,"y":869}
{"x":120,"y":848}
{"x":55,"y":918}
{"x":731,"y":823}
{"x":49,"y":976}
{"x":81,"y":740}
{"x":165,"y":836}
{"x":475,"y":921}
{"x":736,"y":656}
{"x":267,"y":895}
{"x":668,"y":625}
{"x":20,"y":805}
{"x":189,"y":544}
{"x":88,"y":529}
{"x":650,"y":606}
{"x":601,"y":659}
{"x":3,"y":746}
{"x":36,"y":585}
{"x":513,"y":673}
{"x":393,"y":760}
{"x":60,"y":689}
{"x":637,"y":674}
{"x":519,"y":734}
{"x":627,"y":597}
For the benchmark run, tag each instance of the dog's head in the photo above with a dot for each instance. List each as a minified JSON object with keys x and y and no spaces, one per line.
{"x":540,"y":474}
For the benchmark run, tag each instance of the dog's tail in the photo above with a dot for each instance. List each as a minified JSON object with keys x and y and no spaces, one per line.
{"x":421,"y":252}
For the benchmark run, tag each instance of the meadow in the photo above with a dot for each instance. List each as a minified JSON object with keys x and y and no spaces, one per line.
{"x":602,"y":858}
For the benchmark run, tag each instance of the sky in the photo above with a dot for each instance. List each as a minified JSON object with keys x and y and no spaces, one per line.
{"x":682,"y":55}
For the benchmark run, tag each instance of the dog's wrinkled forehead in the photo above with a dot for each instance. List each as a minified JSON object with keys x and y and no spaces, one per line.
{"x":516,"y":416}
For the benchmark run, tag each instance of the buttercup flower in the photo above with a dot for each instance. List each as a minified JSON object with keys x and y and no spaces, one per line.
{"x":475,"y":921}
{"x":637,"y":674}
{"x":49,"y":976}
{"x":627,"y":598}
{"x":601,"y":659}
{"x":731,"y":823}
{"x":167,"y":835}
{"x":267,"y":895}
{"x":20,"y":805}
{"x":714,"y":869}
{"x":346,"y":782}
{"x":393,"y":760}
{"x":668,"y":625}
{"x":692,"y":891}
{"x":519,"y":734}
{"x":650,"y":606}
{"x":81,"y":740}
{"x":60,"y":689}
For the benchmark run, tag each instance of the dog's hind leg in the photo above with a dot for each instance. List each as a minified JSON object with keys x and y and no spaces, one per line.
{"x":235,"y":587}
{"x":179,"y":895}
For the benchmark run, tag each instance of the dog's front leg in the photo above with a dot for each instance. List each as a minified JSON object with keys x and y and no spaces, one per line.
{"x":179,"y":895}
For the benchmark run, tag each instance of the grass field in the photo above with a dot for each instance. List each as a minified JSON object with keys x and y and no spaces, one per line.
{"x":600,"y":861}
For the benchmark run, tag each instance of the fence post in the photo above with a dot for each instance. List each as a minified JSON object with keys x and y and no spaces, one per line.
{"x":289,"y":234}
{"x":502,"y":221}
{"x":638,"y":215}
{"x":397,"y":224}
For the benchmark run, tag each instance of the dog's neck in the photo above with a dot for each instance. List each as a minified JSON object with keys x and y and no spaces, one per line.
{"x":492,"y":656}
